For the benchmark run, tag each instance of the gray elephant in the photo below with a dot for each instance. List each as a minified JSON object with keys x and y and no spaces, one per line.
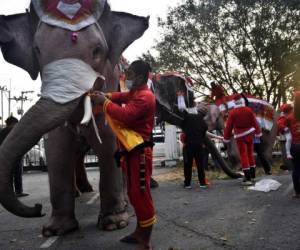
{"x":73,"y":44}
{"x":168,"y":91}
{"x":266,"y":117}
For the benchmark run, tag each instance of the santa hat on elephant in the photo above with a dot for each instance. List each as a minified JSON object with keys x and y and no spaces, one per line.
{"x":286,"y":108}
{"x":239,"y":101}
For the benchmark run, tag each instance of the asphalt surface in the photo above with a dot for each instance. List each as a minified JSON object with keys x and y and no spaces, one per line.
{"x":224,"y":216}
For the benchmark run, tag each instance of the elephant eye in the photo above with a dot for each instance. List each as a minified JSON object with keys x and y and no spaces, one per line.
{"x":97,"y":52}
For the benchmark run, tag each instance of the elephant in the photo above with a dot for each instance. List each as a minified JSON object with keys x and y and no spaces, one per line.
{"x":266,"y":117}
{"x":166,"y":91}
{"x":166,"y":88}
{"x":75,"y":45}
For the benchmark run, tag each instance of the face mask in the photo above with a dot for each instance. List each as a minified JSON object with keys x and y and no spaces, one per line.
{"x":129,"y":84}
{"x":181,"y":103}
{"x":192,"y":110}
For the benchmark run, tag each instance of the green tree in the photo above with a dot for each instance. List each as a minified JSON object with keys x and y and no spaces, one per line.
{"x":247,"y":46}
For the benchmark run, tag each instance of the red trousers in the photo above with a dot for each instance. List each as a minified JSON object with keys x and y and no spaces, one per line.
{"x":141,"y":200}
{"x":246,"y":150}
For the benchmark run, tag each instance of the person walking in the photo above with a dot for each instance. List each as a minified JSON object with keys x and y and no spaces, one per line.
{"x":242,"y":120}
{"x":18,"y":166}
{"x":137,"y":117}
{"x":292,"y":123}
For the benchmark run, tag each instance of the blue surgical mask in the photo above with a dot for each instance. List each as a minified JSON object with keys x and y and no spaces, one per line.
{"x":129,"y":84}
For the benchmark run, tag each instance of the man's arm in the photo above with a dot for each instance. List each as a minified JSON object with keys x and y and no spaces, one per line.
{"x":130,"y":113}
{"x":119,"y":97}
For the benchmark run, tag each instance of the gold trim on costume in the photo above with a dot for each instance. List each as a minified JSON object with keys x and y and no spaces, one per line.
{"x":109,"y":95}
{"x":148,"y":223}
{"x":105,"y":104}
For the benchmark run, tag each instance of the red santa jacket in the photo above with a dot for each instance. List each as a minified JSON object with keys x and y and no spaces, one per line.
{"x":242,"y":120}
{"x":294,"y":126}
{"x":281,"y":123}
{"x":137,"y":114}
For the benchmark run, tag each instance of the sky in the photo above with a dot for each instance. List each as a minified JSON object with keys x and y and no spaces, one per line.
{"x":18,"y":80}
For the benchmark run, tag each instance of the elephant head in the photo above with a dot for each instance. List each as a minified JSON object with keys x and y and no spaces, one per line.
{"x":167,"y":91}
{"x":53,"y":39}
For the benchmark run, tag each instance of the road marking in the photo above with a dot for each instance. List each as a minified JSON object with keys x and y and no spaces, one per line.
{"x":289,"y":189}
{"x":93,"y":199}
{"x":49,"y":242}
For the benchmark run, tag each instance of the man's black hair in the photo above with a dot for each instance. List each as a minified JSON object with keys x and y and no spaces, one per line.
{"x":141,"y":68}
{"x":11,"y":120}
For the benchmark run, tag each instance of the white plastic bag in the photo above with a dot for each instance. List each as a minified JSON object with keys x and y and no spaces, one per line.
{"x":266,"y":185}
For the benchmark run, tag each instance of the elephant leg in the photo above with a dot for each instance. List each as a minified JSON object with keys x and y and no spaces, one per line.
{"x":61,"y":154}
{"x":82,"y":182}
{"x":113,"y":205}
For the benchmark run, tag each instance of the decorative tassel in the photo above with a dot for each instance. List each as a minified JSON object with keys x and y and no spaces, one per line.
{"x":74,"y":37}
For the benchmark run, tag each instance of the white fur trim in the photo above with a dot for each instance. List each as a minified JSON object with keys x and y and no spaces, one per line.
{"x":247,"y":132}
{"x":240,"y":105}
{"x":259,"y":101}
{"x":214,"y":136}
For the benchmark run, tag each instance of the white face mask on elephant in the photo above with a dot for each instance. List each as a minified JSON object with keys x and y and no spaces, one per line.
{"x":67,"y":79}
{"x":181,"y":103}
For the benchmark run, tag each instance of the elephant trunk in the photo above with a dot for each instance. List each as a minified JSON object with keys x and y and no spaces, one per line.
{"x":215,"y":153}
{"x":43,"y":117}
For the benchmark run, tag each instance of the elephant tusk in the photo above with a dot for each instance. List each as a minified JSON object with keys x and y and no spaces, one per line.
{"x":87,"y":111}
{"x":214,"y":136}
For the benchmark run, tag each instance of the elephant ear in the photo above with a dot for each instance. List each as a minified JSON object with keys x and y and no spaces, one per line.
{"x":124,"y":30}
{"x":16,"y":41}
{"x":5,"y":36}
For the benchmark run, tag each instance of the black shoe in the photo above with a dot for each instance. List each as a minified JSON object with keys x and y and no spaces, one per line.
{"x":187,"y":186}
{"x":153,"y":183}
{"x":21,"y":194}
{"x":252,"y":173}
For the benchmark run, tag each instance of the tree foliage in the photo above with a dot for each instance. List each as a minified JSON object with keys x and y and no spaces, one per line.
{"x":247,"y":46}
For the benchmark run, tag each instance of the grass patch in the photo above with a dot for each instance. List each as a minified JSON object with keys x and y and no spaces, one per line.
{"x":176,"y":173}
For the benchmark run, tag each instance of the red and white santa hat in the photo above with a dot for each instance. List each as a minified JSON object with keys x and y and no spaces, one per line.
{"x":239,"y":101}
{"x":286,"y":108}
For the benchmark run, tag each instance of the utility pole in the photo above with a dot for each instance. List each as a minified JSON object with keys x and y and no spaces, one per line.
{"x":2,"y":89}
{"x":22,"y":99}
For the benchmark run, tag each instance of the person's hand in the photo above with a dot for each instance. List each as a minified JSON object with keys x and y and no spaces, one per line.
{"x":97,"y":97}
{"x":290,"y":157}
{"x":107,"y":95}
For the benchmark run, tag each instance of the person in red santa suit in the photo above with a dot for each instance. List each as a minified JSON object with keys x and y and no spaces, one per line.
{"x":138,"y":116}
{"x":292,"y":122}
{"x":242,"y":120}
{"x":286,"y":110}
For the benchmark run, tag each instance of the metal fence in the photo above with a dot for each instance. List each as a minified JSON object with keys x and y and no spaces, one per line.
{"x":35,"y":159}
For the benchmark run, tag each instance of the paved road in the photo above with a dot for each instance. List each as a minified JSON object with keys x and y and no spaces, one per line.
{"x":225,"y":216}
